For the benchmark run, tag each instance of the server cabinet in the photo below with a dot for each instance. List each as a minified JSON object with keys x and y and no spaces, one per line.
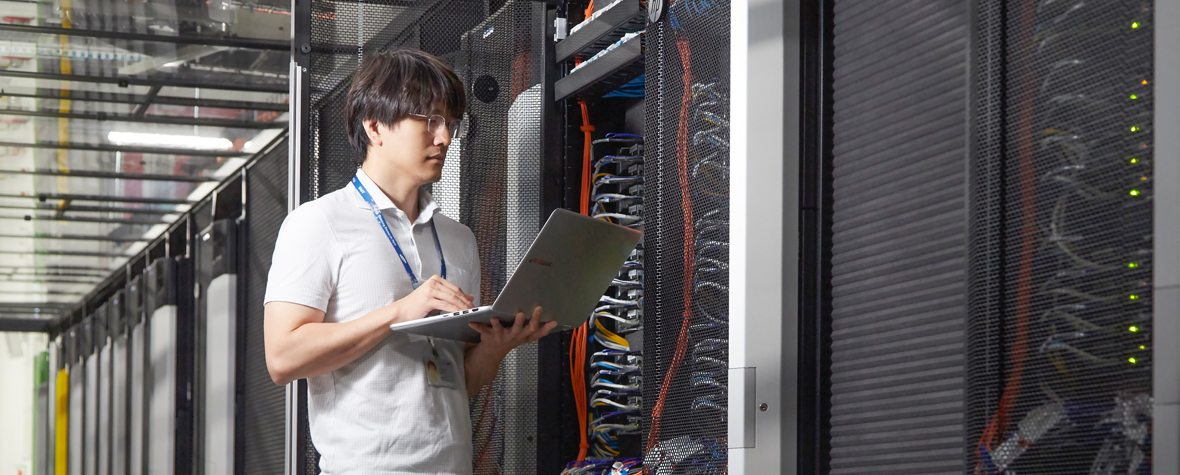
{"x":992,"y":269}
{"x":169,"y":307}
{"x":90,"y":397}
{"x":688,"y":269}
{"x":501,"y":61}
{"x":219,"y":325}
{"x":102,"y":431}
{"x":77,"y":393}
{"x":120,"y":391}
{"x":42,"y":447}
{"x":139,"y":388}
{"x":262,"y":425}
{"x":58,"y":403}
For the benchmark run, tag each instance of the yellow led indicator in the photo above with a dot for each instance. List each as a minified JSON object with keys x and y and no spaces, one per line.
{"x":1133,"y":97}
{"x":1143,"y":178}
{"x":1135,"y":25}
{"x":1142,"y":347}
{"x":1134,"y":161}
{"x":1144,"y":82}
{"x":1134,"y":192}
{"x":1133,"y":297}
{"x":1134,"y":128}
{"x":1132,"y":360}
{"x":1134,"y":329}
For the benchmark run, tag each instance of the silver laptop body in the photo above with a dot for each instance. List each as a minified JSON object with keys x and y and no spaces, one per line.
{"x":569,"y":266}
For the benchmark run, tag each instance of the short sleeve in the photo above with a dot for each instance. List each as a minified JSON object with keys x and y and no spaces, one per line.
{"x":305,"y":266}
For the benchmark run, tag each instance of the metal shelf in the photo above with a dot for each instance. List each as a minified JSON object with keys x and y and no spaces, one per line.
{"x":605,"y":74}
{"x":626,"y":17}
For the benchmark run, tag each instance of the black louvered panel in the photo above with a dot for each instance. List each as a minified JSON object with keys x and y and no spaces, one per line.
{"x":262,"y":427}
{"x":899,"y":236}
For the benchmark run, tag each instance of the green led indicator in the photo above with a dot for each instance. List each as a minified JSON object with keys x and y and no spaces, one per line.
{"x":1133,"y":265}
{"x":1134,"y":192}
{"x":1133,"y":297}
{"x":1132,"y":360}
{"x":1134,"y":25}
{"x":1134,"y":329}
{"x":1133,"y":97}
{"x":1134,"y":161}
{"x":1134,"y":128}
{"x":1142,"y":347}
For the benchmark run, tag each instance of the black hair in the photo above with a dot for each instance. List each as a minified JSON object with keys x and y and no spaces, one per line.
{"x":391,"y":84}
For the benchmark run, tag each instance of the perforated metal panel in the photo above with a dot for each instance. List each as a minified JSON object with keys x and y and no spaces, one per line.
{"x":899,"y":236}
{"x":1061,"y":326}
{"x":686,"y":242}
{"x":496,"y":187}
{"x":262,"y":426}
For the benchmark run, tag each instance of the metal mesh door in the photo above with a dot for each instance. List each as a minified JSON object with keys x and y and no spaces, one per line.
{"x":261,"y":425}
{"x":686,"y":242}
{"x":1060,"y":336}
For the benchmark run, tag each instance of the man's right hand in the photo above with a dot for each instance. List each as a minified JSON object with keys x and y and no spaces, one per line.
{"x":436,"y":294}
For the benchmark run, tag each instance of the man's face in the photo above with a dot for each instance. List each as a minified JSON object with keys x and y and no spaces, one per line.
{"x":410,"y":149}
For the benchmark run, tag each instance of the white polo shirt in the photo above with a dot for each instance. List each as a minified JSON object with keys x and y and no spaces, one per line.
{"x":377,"y":415}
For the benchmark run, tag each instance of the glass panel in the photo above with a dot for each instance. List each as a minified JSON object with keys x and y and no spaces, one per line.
{"x":170,"y":63}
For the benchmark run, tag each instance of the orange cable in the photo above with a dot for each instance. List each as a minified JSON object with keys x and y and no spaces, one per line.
{"x":586,"y":158}
{"x":682,"y":165}
{"x":998,"y":424}
{"x":578,"y":381}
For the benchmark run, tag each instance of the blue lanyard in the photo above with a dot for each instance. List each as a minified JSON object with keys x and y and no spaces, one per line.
{"x":356,"y":182}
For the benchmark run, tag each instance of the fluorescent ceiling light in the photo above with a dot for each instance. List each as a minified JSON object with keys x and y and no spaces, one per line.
{"x":180,"y":141}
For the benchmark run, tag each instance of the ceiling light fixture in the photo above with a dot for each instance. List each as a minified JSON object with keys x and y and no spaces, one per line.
{"x":182,"y":141}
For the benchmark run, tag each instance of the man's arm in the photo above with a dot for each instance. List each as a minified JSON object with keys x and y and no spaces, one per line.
{"x":299,"y":344}
{"x":482,"y":361}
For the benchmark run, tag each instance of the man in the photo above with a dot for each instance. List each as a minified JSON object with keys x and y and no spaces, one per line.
{"x":378,"y":252}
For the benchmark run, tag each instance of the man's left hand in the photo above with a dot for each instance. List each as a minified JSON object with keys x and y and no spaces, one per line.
{"x":503,"y":340}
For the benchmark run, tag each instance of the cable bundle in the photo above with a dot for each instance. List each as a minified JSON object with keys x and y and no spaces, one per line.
{"x":1078,"y":376}
{"x":604,"y":467}
{"x":616,"y":193}
{"x":702,"y":166}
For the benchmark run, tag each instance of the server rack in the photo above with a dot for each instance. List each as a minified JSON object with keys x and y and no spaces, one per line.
{"x":989,"y":273}
{"x":76,"y":352}
{"x":90,"y":355}
{"x":41,"y":433}
{"x":262,"y":425}
{"x":156,"y":286}
{"x":170,"y":309}
{"x":117,"y":318}
{"x":138,"y":329}
{"x":102,"y":433}
{"x":219,"y":345}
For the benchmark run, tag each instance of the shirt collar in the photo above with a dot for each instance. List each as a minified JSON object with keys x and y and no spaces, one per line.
{"x":426,"y":204}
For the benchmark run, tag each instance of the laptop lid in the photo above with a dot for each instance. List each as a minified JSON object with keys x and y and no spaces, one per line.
{"x":568,"y":268}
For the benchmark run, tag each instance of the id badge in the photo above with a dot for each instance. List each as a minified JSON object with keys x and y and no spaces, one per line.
{"x":440,"y":372}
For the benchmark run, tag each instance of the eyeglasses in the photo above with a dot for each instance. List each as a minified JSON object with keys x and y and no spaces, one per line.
{"x":435,"y":123}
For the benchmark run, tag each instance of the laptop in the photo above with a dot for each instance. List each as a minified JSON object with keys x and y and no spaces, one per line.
{"x":567,"y":269}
